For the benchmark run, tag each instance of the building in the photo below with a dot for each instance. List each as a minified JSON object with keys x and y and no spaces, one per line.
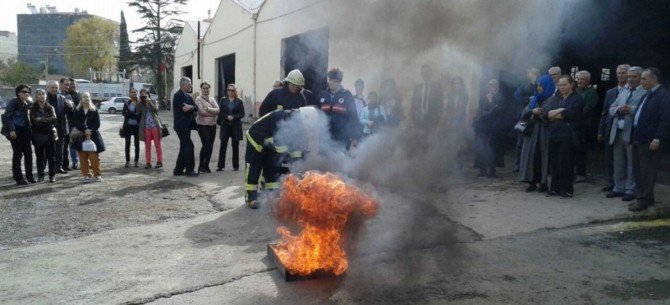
{"x":41,"y":35}
{"x":8,"y":46}
{"x":253,"y":43}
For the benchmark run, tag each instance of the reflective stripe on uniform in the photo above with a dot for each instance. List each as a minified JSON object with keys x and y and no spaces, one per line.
{"x":296,"y":154}
{"x":248,"y":187}
{"x":281,"y":149}
{"x":272,"y":185}
{"x":253,"y":143}
{"x":251,"y":187}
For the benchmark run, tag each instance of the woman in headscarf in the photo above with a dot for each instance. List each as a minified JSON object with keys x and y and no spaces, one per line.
{"x":534,"y":157}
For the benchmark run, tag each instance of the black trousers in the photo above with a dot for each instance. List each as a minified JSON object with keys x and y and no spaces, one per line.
{"x":46,"y":154}
{"x":609,"y":163}
{"x":59,"y":147}
{"x":561,"y":154}
{"x":186,"y":156}
{"x":66,"y":152}
{"x":235,"y":145}
{"x":21,"y":149}
{"x":257,"y":162}
{"x":645,"y":169}
{"x":207,"y":136}
{"x":580,"y":154}
{"x":132,"y":131}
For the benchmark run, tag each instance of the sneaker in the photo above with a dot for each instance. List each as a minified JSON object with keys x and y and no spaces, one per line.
{"x":52,"y":179}
{"x":148,"y":166}
{"x":98,"y":179}
{"x":87,"y":179}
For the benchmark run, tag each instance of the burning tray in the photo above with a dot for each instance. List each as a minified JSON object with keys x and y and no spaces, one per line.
{"x":288,"y":276}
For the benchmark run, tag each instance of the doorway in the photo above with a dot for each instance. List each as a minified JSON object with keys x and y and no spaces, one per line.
{"x":225,"y":74}
{"x":307,"y":52}
{"x":187,"y":72}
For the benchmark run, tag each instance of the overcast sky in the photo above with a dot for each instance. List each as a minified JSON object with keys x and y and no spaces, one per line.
{"x":110,"y":9}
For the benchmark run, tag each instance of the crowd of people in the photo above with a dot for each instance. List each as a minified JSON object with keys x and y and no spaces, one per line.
{"x":555,"y":121}
{"x":550,"y":114}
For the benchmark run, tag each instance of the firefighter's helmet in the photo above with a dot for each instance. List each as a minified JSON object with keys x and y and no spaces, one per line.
{"x":295,"y":77}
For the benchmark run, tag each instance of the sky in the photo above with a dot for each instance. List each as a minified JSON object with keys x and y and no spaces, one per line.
{"x":110,"y":9}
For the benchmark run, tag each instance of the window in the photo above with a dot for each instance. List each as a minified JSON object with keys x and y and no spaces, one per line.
{"x":106,"y":94}
{"x":605,"y":75}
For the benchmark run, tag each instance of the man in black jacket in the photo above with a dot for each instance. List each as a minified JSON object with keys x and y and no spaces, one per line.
{"x":650,"y":128}
{"x":606,"y":122}
{"x":184,"y":110}
{"x":63,"y":109}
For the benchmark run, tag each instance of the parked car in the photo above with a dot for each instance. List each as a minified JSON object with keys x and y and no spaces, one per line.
{"x":113,"y":105}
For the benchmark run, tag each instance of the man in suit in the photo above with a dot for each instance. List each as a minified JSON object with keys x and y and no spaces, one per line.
{"x":63,"y":109}
{"x":605,"y":124}
{"x":427,"y":101}
{"x":590,"y":97}
{"x":650,"y":129}
{"x":184,"y":110}
{"x":621,"y":122}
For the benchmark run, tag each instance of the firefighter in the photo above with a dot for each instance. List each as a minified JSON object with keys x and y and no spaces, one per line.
{"x":264,"y":154}
{"x":339,"y":105}
{"x":291,"y":95}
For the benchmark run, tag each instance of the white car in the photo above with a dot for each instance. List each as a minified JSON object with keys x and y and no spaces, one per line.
{"x":113,"y":105}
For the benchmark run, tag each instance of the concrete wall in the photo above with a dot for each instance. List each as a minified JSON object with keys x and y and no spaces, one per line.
{"x":186,"y":55}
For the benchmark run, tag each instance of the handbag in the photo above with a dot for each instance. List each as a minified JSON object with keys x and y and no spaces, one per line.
{"x":122,"y":132}
{"x":89,"y":146}
{"x":75,"y":134}
{"x":524,"y":128}
{"x":164,"y":130}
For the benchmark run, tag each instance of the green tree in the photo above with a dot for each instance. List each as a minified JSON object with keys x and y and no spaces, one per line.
{"x":20,"y":73}
{"x":91,"y":43}
{"x":125,"y":60}
{"x":155,"y":47}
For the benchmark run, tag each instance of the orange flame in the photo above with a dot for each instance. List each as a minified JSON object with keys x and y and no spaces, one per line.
{"x":322,"y":205}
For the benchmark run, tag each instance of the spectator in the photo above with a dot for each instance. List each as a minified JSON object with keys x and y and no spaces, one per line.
{"x":42,"y":120}
{"x":605,"y":124}
{"x":427,"y":101}
{"x":522,"y":97}
{"x":87,"y":120}
{"x":74,"y":96}
{"x":456,"y":113}
{"x":590,"y":98}
{"x":490,"y":129}
{"x":391,"y":99}
{"x":184,"y":109}
{"x":150,"y":128}
{"x":562,"y":112}
{"x":64,"y":90}
{"x":131,"y":126}
{"x":208,"y":110}
{"x":534,"y":162}
{"x":290,"y":96}
{"x":359,"y":97}
{"x":17,"y":130}
{"x":619,"y":135}
{"x":230,"y":120}
{"x":373,"y":116}
{"x":555,"y":73}
{"x":339,"y":106}
{"x":63,"y":109}
{"x":650,"y":125}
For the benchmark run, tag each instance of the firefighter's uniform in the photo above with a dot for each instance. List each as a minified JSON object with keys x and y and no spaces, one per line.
{"x":264,"y":155}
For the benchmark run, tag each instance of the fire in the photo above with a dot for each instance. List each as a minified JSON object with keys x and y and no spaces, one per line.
{"x":321,"y":204}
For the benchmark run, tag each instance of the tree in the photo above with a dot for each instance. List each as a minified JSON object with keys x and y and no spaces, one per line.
{"x":125,"y":60}
{"x":155,"y":49}
{"x":91,"y":43}
{"x":20,"y":73}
